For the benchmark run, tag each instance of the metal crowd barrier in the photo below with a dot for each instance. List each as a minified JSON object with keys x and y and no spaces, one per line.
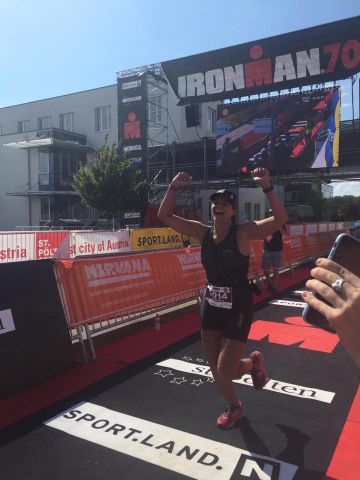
{"x":102,"y":293}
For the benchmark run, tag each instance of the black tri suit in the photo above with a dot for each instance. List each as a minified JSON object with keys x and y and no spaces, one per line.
{"x":227,"y":303}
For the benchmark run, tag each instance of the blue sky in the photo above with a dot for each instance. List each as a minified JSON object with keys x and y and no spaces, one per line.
{"x":54,"y":48}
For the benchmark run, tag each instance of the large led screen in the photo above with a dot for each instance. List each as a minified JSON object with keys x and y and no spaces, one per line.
{"x":289,"y":132}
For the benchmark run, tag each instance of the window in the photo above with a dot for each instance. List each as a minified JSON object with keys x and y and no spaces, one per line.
{"x":66,"y":121}
{"x":44,"y":209}
{"x":44,"y":122}
{"x":69,"y":165}
{"x":155,"y":110}
{"x":24,"y":126}
{"x":62,"y":208}
{"x":248,"y":210}
{"x":102,"y":119}
{"x":294,"y":196}
{"x":211,"y":120}
{"x":256,"y":211}
{"x":44,"y":171}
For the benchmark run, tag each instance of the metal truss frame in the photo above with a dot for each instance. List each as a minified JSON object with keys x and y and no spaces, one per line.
{"x":156,"y":98}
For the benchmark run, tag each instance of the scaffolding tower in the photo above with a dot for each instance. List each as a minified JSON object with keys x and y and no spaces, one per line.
{"x":157,"y":113}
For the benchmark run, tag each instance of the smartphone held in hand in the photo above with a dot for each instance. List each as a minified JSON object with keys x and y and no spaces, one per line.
{"x":345,"y":252}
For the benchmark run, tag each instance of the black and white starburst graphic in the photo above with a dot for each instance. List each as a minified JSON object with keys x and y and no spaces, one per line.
{"x":197,"y":382}
{"x":187,"y":366}
{"x":187,"y":359}
{"x":179,"y":381}
{"x":164,"y":373}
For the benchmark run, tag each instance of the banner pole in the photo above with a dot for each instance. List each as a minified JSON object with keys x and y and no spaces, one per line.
{"x":90,"y":340}
{"x":205,"y":160}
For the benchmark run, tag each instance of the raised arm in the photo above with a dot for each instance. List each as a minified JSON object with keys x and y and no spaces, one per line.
{"x":165,"y":214}
{"x":260,"y":229}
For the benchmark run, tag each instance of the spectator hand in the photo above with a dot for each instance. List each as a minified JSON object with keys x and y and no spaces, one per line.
{"x":343,"y":311}
{"x":261,"y":177}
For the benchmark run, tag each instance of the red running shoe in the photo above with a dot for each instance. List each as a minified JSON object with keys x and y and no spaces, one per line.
{"x":229,"y":418}
{"x":258,"y":373}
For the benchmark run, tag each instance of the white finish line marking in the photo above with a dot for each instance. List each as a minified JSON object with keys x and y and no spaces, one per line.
{"x":288,"y":303}
{"x":191,"y":455}
{"x":277,"y":386}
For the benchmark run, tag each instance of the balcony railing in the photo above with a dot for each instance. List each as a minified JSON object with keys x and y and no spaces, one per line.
{"x":205,"y":174}
{"x":60,"y":134}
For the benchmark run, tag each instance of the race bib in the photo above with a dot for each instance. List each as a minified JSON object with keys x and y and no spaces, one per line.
{"x":219,"y":296}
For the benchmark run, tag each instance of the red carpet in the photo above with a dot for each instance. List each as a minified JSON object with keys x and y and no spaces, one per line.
{"x":345,"y":463}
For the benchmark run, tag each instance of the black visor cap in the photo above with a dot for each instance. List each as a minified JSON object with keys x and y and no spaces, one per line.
{"x":228,"y":195}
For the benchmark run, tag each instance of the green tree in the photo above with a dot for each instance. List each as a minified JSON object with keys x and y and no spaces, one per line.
{"x":111,"y":184}
{"x":315,"y":199}
{"x":340,"y":209}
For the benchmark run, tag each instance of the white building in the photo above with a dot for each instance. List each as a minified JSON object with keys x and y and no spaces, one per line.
{"x":43,"y":142}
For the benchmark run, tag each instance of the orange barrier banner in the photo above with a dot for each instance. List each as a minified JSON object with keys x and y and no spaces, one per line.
{"x":294,"y":230}
{"x":312,"y":245}
{"x":294,"y":249}
{"x":323,"y":227}
{"x":306,"y":246}
{"x":303,"y":228}
{"x":255,"y":268}
{"x":320,"y":244}
{"x":325,"y":240}
{"x":94,"y":289}
{"x":99,"y":288}
{"x":311,"y":228}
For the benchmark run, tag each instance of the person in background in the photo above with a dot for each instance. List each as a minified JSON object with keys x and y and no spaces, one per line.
{"x":342,"y":313}
{"x":272,"y":257}
{"x":227,"y":304}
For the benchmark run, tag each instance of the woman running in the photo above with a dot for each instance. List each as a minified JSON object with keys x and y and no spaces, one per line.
{"x":227,"y":305}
